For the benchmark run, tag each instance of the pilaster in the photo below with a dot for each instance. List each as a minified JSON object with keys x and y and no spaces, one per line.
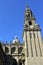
{"x":37,"y":45}
{"x":33,"y":44}
{"x":40,"y":42}
{"x":29,"y":45}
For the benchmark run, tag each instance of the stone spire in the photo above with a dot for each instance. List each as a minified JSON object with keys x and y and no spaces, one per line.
{"x":28,"y":13}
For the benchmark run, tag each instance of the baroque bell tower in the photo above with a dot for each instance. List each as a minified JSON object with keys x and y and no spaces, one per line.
{"x":31,"y":35}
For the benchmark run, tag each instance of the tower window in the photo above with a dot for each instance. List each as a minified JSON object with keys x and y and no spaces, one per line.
{"x":20,"y":50}
{"x":30,"y":23}
{"x":27,"y":14}
{"x":13,"y":50}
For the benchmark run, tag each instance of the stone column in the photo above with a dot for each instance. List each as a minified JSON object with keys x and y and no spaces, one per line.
{"x":37,"y":45}
{"x":40,"y":42}
{"x":33,"y":44}
{"x":29,"y":45}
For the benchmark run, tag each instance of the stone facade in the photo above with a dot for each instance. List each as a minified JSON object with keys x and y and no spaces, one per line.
{"x":30,"y":52}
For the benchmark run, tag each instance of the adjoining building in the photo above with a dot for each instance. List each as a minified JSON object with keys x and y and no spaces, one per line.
{"x":30,"y":52}
{"x":1,"y":55}
{"x":14,"y":52}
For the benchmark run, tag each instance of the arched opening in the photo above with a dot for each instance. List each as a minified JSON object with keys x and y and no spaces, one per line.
{"x":14,"y":62}
{"x":30,"y":23}
{"x":13,"y":50}
{"x":20,"y":50}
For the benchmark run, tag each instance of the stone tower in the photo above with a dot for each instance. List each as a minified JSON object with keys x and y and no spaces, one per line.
{"x":32,"y":38}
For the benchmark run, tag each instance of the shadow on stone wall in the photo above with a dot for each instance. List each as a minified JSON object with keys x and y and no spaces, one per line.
{"x":9,"y":60}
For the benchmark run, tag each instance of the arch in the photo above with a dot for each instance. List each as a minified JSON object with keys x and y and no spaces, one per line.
{"x":14,"y":62}
{"x":6,"y":50}
{"x":13,"y":50}
{"x":20,"y":50}
{"x":30,"y":23}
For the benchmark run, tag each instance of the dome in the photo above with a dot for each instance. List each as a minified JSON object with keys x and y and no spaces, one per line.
{"x":15,"y":40}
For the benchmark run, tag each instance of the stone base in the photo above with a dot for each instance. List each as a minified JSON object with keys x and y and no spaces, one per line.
{"x":34,"y":61}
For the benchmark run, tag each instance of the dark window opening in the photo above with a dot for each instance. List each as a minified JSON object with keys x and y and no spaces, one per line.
{"x":28,"y":15}
{"x":20,"y":50}
{"x":13,"y":50}
{"x":30,"y":23}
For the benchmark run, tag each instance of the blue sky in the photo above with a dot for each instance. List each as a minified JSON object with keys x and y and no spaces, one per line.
{"x":12,"y":17}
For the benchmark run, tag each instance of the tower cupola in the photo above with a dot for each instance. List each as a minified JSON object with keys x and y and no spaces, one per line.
{"x":29,"y":21}
{"x":28,"y":13}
